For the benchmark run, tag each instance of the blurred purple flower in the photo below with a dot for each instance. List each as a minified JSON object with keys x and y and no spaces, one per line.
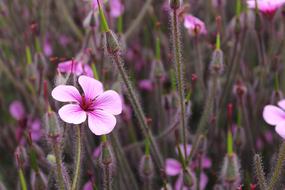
{"x":17,"y":110}
{"x":99,"y":106}
{"x":194,"y":25}
{"x":268,"y":7}
{"x":174,"y":168}
{"x":116,"y":6}
{"x":274,"y":115}
{"x":88,"y":186}
{"x":146,"y":85}
{"x":47,"y":47}
{"x":75,"y":67}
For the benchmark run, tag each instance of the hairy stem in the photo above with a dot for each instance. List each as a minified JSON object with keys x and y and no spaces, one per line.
{"x":107,"y":177}
{"x":278,"y":168}
{"x":76,"y":175}
{"x":138,"y":111}
{"x":57,"y":154}
{"x":179,"y":72}
{"x":259,"y":172}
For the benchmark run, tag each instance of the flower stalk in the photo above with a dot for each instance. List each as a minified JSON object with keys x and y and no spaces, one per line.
{"x":260,"y":172}
{"x":179,"y":67}
{"x":75,"y":181}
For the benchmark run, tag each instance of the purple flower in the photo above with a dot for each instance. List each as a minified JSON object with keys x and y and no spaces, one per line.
{"x":18,"y":112}
{"x":99,"y":106}
{"x":146,"y":85}
{"x":75,"y":67}
{"x":174,"y":168}
{"x":194,"y":25}
{"x":274,"y":115}
{"x":268,"y":7}
{"x":116,"y":6}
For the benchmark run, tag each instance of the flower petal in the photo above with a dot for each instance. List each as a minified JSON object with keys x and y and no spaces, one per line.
{"x":280,"y":129}
{"x":101,"y":122}
{"x":273,"y":115}
{"x":281,"y":104}
{"x":90,"y":86}
{"x":172,"y":167}
{"x":72,"y":113}
{"x":179,"y":183}
{"x":17,"y":110}
{"x":66,"y":93}
{"x":110,"y":101}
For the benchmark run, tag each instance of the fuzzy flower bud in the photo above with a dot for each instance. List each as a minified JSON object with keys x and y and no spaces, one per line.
{"x":146,"y":166}
{"x":113,"y":45}
{"x":175,"y":4}
{"x":188,"y":178}
{"x":106,"y":155}
{"x":52,"y":124}
{"x":230,"y":170}
{"x":217,"y":62}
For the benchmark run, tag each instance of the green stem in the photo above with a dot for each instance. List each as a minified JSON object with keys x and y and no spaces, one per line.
{"x":22,"y":180}
{"x":278,"y":168}
{"x":75,"y":180}
{"x":179,"y":72}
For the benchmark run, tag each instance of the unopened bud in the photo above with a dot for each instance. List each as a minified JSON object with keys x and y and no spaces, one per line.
{"x":230,"y":170}
{"x":239,"y":89}
{"x":146,"y":166}
{"x":175,"y":4}
{"x":188,"y":178}
{"x":113,"y":45}
{"x":106,"y":154}
{"x":52,"y":124}
{"x":217,"y":62}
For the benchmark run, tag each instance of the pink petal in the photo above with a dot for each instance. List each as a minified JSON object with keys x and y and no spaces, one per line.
{"x":179,"y":183}
{"x":101,"y":122}
{"x":66,"y":93}
{"x":88,"y":186}
{"x":273,"y":115}
{"x":110,"y":101}
{"x":87,"y":70}
{"x":172,"y":167}
{"x":72,"y":113}
{"x":70,"y":66}
{"x":188,"y":149}
{"x":90,"y":86}
{"x":282,"y":104}
{"x":17,"y":110}
{"x":203,"y":181}
{"x":206,"y":162}
{"x":280,"y":129}
{"x":117,"y":8}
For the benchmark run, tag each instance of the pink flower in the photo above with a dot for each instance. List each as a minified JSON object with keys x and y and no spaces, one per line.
{"x":116,"y":7}
{"x":75,"y":67}
{"x":146,"y":85}
{"x":268,"y":7}
{"x":99,"y":106}
{"x":174,"y":168}
{"x":274,"y":115}
{"x":194,"y":25}
{"x":17,"y":110}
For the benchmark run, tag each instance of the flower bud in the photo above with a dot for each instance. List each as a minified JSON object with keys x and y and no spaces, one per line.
{"x":106,"y":154}
{"x":239,"y":89}
{"x":217,"y":62}
{"x":113,"y":45}
{"x":230,"y":170}
{"x":52,"y":124}
{"x":146,"y":166}
{"x":188,"y":178}
{"x":175,"y":4}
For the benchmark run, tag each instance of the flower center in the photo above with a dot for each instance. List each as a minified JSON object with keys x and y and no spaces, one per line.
{"x":87,"y":104}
